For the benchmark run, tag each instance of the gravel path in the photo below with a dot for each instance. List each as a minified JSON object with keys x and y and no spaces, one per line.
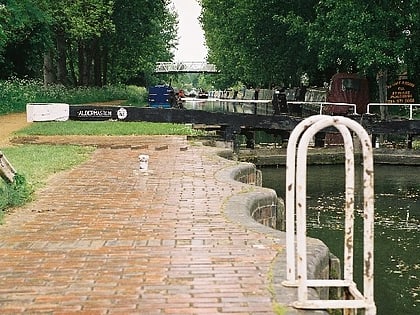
{"x":9,"y":124}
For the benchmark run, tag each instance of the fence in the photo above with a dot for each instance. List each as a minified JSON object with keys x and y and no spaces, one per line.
{"x":410,"y":106}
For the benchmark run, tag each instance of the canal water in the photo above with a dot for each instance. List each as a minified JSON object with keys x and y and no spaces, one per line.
{"x":261,"y":107}
{"x":397,"y":227}
{"x":397,"y":217}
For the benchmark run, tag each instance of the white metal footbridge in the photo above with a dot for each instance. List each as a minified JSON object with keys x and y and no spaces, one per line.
{"x":185,"y":67}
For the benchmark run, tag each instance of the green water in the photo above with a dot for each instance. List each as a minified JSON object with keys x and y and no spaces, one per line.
{"x":397,"y":227}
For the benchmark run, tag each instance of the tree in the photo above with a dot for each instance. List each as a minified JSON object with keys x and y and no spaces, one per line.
{"x":412,"y":43}
{"x":374,"y":38}
{"x":3,"y":20}
{"x":76,"y":29}
{"x":257,"y":41}
{"x":145,"y":32}
{"x":22,"y":38}
{"x":84,"y":42}
{"x":216,"y":19}
{"x":265,"y":42}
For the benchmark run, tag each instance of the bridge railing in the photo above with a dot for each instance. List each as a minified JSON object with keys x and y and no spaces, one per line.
{"x":185,"y":67}
{"x":410,"y":106}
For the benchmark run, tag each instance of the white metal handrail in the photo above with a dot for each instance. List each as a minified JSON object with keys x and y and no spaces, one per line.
{"x":290,"y":193}
{"x":394,"y":104}
{"x":322,"y":104}
{"x":296,"y":204}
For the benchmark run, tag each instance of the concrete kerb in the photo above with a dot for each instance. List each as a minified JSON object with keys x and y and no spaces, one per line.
{"x":238,"y":209}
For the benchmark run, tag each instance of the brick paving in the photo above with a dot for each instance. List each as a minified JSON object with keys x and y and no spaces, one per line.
{"x":106,"y":238}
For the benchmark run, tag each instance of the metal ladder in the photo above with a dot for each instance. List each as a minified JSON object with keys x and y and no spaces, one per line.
{"x":296,"y":205}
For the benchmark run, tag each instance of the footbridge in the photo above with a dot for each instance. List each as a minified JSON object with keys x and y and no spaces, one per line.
{"x":185,"y":67}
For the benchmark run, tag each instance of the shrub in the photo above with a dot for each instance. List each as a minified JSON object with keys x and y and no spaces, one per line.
{"x":16,"y":93}
{"x":14,"y":194}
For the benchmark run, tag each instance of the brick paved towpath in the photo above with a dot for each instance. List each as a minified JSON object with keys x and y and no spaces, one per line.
{"x":106,"y":238}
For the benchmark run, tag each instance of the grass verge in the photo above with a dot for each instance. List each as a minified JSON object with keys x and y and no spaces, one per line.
{"x":106,"y":128}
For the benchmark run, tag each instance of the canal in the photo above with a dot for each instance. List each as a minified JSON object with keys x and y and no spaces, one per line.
{"x":397,"y":227}
{"x":397,"y":217}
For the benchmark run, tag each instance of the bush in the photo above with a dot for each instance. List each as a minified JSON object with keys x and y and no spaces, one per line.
{"x":16,"y":93}
{"x":14,"y":194}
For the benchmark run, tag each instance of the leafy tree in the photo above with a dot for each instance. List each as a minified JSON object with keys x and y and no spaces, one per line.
{"x":23,"y":26}
{"x":76,"y":29}
{"x":84,"y":42}
{"x":275,"y":42}
{"x":3,"y":20}
{"x":144,"y":34}
{"x":282,"y":42}
{"x":412,"y":42}
{"x":217,"y":18}
{"x":257,"y":41}
{"x":374,"y":38}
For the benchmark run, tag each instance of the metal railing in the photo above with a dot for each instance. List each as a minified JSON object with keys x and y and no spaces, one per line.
{"x":296,"y":205}
{"x":185,"y":67}
{"x":394,"y":104}
{"x":323,"y":104}
{"x":267,"y":104}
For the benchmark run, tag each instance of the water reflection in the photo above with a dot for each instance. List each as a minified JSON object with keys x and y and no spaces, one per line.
{"x":397,"y":227}
{"x":260,"y":107}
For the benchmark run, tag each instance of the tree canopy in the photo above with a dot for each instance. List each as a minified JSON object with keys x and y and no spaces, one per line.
{"x":85,"y":42}
{"x":256,"y":42}
{"x":266,"y":42}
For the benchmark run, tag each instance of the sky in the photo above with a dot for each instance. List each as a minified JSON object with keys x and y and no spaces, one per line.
{"x":191,"y":43}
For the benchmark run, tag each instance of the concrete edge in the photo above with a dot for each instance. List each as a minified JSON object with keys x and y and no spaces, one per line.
{"x":329,"y":157}
{"x":239,"y":207}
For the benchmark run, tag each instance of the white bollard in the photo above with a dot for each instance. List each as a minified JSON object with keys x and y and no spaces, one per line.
{"x":143,"y":162}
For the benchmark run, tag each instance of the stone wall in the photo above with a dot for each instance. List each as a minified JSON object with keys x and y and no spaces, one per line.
{"x":259,"y":209}
{"x":264,"y":207}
